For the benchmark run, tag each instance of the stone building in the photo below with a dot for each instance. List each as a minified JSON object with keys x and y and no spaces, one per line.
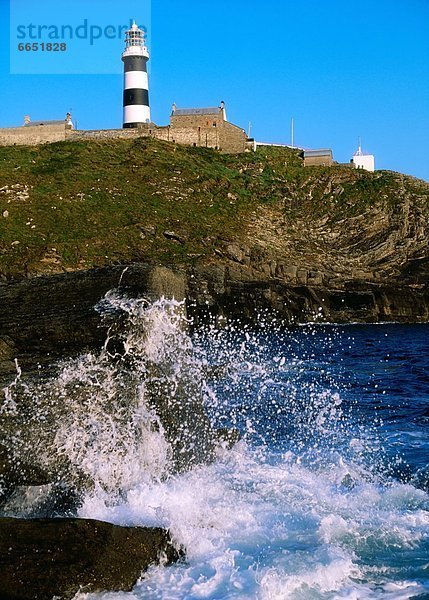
{"x":362,"y":160}
{"x":36,"y":132}
{"x":206,"y":127}
{"x":200,"y":127}
{"x":321,"y":157}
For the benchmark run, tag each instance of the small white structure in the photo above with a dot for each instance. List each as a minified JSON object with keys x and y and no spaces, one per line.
{"x":362,"y":160}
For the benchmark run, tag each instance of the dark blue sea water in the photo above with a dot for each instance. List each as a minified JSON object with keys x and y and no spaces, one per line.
{"x":326,"y":494}
{"x":380,"y":373}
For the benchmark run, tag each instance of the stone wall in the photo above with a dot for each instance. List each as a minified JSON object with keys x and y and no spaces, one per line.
{"x":233,"y":138}
{"x":209,"y":121}
{"x":226,"y":137}
{"x":208,"y":131}
{"x":204,"y":137}
{"x":318,"y":161}
{"x":195,"y":130}
{"x":105,"y":134}
{"x":30,"y":136}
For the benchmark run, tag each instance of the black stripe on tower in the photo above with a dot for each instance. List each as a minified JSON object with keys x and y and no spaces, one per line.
{"x":135,"y":63}
{"x":136,"y":96}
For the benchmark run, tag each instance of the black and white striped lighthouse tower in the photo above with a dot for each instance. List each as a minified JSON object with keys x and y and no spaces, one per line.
{"x":136,"y":94}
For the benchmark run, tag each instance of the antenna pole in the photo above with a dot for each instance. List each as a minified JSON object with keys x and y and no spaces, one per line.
{"x":291,"y":132}
{"x":249,"y":130}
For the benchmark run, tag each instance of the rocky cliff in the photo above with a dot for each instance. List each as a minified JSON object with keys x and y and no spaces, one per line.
{"x":241,"y":233}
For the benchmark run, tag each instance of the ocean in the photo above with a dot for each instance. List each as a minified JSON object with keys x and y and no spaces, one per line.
{"x":325,"y":496}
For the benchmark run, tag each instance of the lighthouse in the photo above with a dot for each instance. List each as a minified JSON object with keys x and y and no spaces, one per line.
{"x":136,"y":94}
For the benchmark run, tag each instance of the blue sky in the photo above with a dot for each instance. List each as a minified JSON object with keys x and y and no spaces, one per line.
{"x":340,"y":69}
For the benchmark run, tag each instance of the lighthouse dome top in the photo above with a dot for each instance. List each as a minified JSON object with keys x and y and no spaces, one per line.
{"x":134,"y":28}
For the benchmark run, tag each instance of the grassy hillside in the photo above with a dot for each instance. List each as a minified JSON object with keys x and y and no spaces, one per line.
{"x":75,"y":205}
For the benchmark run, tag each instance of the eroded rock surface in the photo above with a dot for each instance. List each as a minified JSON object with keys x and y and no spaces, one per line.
{"x":45,"y":558}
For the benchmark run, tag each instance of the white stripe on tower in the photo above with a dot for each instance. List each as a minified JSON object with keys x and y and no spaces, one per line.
{"x":135,"y":79}
{"x":136,"y":87}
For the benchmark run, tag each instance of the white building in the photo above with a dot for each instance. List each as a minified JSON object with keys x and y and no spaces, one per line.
{"x":362,"y":160}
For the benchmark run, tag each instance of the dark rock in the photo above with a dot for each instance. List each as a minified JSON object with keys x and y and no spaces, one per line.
{"x":234,"y":253}
{"x":54,"y":316}
{"x":50,"y":317}
{"x":44,"y":318}
{"x":13,"y":473}
{"x":43,"y":558}
{"x":184,"y":419}
{"x":245,"y":293}
{"x":170,"y":235}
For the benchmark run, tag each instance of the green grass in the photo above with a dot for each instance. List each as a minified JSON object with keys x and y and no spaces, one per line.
{"x":102,"y":202}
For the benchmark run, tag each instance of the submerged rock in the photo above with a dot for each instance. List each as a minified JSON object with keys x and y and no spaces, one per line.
{"x":43,"y":558}
{"x":15,"y":473}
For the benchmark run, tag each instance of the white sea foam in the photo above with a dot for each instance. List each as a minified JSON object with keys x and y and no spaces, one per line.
{"x":303,"y":521}
{"x":269,"y":529}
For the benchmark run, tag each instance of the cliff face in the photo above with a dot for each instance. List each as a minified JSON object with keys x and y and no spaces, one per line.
{"x":80,"y":205}
{"x":340,"y":247}
{"x":373,"y":229}
{"x":49,"y":317}
{"x":234,"y":292}
{"x":46,"y":318}
{"x":243,"y":232}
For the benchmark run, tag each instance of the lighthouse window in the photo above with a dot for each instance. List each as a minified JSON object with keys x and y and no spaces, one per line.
{"x":214,"y":124}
